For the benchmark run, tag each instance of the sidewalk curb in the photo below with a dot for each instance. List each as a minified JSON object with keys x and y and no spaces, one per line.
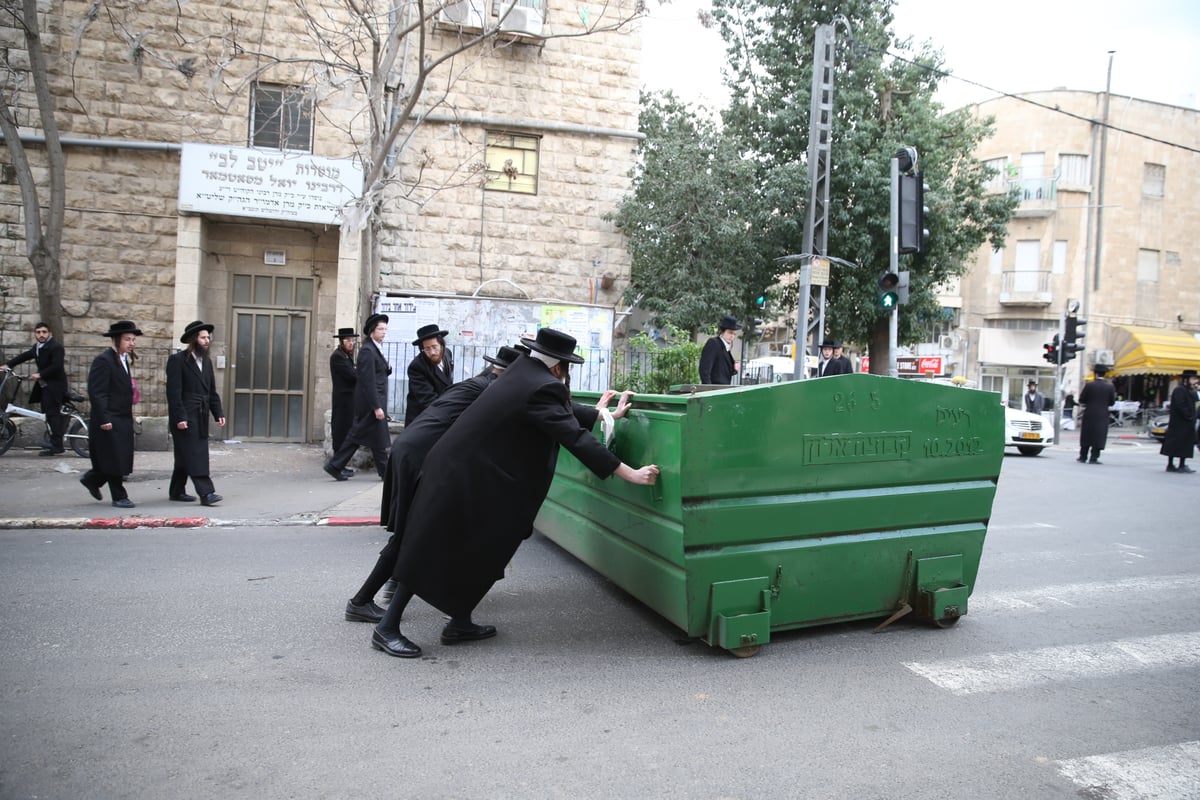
{"x":130,"y":523}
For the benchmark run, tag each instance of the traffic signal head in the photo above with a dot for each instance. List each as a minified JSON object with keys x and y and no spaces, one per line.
{"x":1051,"y":349}
{"x":912,"y":211}
{"x":1072,"y":342}
{"x":760,"y":302}
{"x":889,"y":295}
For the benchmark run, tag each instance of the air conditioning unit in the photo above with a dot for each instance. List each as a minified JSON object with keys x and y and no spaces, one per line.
{"x":523,"y":20}
{"x":946,"y":342}
{"x":1103,"y":357}
{"x":466,"y":14}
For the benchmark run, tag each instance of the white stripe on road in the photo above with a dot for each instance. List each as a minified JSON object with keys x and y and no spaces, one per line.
{"x":1171,"y":772}
{"x":1071,"y":595}
{"x":997,"y":672}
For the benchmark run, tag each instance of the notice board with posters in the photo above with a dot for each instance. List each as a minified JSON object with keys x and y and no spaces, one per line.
{"x":479,"y":326}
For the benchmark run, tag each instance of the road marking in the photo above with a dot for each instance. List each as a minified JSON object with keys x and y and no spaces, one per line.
{"x":1071,"y":595}
{"x":1171,"y":772}
{"x":998,"y":672}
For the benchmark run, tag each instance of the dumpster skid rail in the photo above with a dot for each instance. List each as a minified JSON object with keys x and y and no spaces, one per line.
{"x":790,"y":505}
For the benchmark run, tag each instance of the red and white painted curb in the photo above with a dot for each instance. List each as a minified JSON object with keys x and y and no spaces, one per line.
{"x":134,"y":522}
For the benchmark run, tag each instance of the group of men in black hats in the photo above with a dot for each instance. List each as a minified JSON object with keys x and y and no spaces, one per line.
{"x":487,"y":443}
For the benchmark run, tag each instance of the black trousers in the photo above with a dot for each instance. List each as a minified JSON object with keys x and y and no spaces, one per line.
{"x":56,"y":422}
{"x":349,"y":447}
{"x":116,"y":483}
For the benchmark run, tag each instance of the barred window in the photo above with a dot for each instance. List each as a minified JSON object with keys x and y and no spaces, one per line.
{"x":281,"y":118}
{"x":1154,"y":180}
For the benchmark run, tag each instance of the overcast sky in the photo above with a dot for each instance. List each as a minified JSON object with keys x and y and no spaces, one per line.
{"x":1014,"y":46}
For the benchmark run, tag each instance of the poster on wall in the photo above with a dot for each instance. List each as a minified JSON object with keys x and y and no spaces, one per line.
{"x":479,"y":326}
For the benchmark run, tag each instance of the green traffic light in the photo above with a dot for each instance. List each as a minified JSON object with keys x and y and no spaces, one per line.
{"x":887,"y":300}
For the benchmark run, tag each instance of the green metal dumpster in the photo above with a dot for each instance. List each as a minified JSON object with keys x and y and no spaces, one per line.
{"x":791,"y":505}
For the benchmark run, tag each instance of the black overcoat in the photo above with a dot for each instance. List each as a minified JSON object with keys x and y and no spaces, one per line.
{"x":51,"y":388}
{"x":414,"y":443}
{"x":836,"y":366}
{"x":1180,"y":438}
{"x":426,"y":382}
{"x":110,"y":393}
{"x":341,"y":398}
{"x":484,"y":481}
{"x":1096,"y":397}
{"x":191,"y":397}
{"x":716,"y":362}
{"x":370,"y":393}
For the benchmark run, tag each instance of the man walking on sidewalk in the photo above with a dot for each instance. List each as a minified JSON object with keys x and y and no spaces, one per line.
{"x":1180,"y":438}
{"x":191,"y":397}
{"x":50,"y":385}
{"x":370,"y":428}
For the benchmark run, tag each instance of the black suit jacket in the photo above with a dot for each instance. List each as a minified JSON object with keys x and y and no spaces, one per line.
{"x":51,"y":388}
{"x":370,"y":393}
{"x":716,"y":362}
{"x":191,"y":397}
{"x":426,"y":382}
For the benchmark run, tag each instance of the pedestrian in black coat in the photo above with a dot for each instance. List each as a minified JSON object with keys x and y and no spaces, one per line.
{"x":191,"y":398}
{"x":110,"y":424}
{"x":343,"y":377}
{"x":717,"y":365}
{"x":404,"y":469}
{"x":370,"y":427}
{"x":1180,"y":439}
{"x":481,"y":488}
{"x":832,"y":362}
{"x":1096,"y":397}
{"x":430,"y":373}
{"x":50,"y":383}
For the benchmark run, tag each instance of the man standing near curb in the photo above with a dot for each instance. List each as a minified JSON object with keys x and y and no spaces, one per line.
{"x":191,"y":397}
{"x":370,"y":428}
{"x":1180,"y":438}
{"x":344,"y":378}
{"x":50,"y":385}
{"x":430,"y":373}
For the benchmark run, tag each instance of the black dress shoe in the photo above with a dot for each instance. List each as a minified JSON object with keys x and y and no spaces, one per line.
{"x":397,"y":645}
{"x":92,"y":490}
{"x":367,"y":612}
{"x":52,"y":452}
{"x":1093,"y":461}
{"x":211,"y":499}
{"x":124,"y":502}
{"x":1171,"y":468}
{"x":334,"y":472}
{"x":183,"y":498}
{"x":1186,"y":470}
{"x":453,"y":634}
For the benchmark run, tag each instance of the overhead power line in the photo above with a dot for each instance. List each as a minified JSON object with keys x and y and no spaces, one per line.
{"x":1057,"y":110}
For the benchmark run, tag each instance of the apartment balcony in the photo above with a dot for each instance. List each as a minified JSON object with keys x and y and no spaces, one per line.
{"x":1038,"y":196}
{"x":1025,"y":288}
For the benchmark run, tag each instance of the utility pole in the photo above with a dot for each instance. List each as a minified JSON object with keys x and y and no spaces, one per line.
{"x":816,"y":220}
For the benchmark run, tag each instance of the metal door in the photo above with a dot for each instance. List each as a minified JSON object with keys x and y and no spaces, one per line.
{"x":271,"y":328}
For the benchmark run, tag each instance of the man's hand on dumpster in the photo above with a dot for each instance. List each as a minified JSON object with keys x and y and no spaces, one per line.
{"x":622,"y":405}
{"x":606,"y":398}
{"x":645,"y":476}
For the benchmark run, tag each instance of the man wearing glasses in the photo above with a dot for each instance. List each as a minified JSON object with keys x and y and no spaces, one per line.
{"x":431,"y":371}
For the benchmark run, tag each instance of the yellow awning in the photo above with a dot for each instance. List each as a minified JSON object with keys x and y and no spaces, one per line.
{"x":1153,"y":351}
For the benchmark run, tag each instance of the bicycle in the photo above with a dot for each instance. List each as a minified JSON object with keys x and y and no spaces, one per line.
{"x":76,"y":435}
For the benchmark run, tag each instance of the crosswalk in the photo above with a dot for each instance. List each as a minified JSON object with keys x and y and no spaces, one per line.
{"x":1166,"y":771}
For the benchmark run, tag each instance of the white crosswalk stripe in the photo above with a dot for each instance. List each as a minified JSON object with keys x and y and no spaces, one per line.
{"x":1055,"y":598}
{"x":1170,"y":772}
{"x":996,"y":672}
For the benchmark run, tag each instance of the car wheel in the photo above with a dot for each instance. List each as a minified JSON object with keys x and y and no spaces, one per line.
{"x":1027,"y":450}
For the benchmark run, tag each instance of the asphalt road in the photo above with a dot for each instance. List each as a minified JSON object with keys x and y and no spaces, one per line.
{"x":215,"y":663}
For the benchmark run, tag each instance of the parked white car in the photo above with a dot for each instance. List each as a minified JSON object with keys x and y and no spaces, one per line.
{"x":1029,"y":433}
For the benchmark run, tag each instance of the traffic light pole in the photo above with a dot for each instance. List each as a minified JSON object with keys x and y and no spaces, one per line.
{"x":1058,"y":378}
{"x":894,"y":267}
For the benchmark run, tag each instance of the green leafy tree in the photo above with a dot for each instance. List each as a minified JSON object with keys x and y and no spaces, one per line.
{"x":883,"y":100}
{"x":654,"y":368}
{"x":687,"y":220}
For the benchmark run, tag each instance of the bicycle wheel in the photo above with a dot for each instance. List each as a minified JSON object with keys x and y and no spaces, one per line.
{"x":77,"y":436}
{"x":8,"y":435}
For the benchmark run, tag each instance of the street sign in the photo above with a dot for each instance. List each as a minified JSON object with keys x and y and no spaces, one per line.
{"x":820,"y":271}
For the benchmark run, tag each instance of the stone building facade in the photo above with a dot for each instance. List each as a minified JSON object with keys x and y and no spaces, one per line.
{"x":526,"y":141}
{"x":1107,"y":223}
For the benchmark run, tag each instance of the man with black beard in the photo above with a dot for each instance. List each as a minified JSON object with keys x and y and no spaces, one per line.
{"x":191,"y":397}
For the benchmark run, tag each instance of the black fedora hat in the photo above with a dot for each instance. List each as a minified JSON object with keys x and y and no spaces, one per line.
{"x":372,"y":322}
{"x":193,"y":328}
{"x":1099,"y":369}
{"x":831,"y":343}
{"x":346,"y":333}
{"x":555,"y":344}
{"x":430,"y":331}
{"x":504,"y":357}
{"x":729,"y":323}
{"x":1188,"y":373}
{"x":122,"y":327}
